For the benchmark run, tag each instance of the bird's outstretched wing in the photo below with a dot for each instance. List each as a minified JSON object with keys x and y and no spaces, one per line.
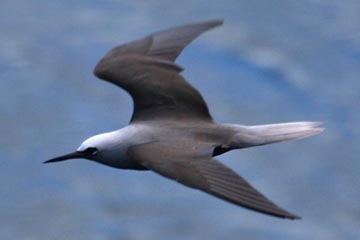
{"x":166,"y":44}
{"x":145,"y":68}
{"x":192,"y":165}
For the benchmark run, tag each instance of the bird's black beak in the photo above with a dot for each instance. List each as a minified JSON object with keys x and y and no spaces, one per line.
{"x":66,"y":157}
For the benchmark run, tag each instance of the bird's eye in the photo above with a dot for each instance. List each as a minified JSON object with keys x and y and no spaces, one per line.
{"x":91,"y":150}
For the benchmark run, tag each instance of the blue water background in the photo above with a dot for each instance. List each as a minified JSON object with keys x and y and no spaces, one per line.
{"x":273,"y":61}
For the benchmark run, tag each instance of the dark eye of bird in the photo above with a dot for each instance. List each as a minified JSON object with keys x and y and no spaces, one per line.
{"x":91,"y":150}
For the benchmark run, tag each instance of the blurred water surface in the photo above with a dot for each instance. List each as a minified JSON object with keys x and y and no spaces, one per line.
{"x":272,"y":61}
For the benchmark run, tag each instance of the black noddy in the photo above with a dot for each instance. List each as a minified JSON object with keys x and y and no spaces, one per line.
{"x":171,"y":131}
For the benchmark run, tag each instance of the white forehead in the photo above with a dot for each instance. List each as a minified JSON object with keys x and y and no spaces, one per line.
{"x":98,"y":141}
{"x":131,"y":133}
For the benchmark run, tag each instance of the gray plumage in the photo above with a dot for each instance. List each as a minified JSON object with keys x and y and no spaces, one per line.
{"x":171,"y":130}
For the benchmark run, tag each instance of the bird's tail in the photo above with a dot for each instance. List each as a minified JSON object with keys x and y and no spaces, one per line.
{"x":271,"y":133}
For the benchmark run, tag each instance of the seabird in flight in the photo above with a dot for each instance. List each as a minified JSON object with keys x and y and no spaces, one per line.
{"x":171,"y":131}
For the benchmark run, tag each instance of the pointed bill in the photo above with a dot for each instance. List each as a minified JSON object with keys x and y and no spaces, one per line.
{"x":66,"y":157}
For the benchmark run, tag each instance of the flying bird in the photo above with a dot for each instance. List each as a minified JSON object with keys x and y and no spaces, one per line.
{"x":171,"y":131}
